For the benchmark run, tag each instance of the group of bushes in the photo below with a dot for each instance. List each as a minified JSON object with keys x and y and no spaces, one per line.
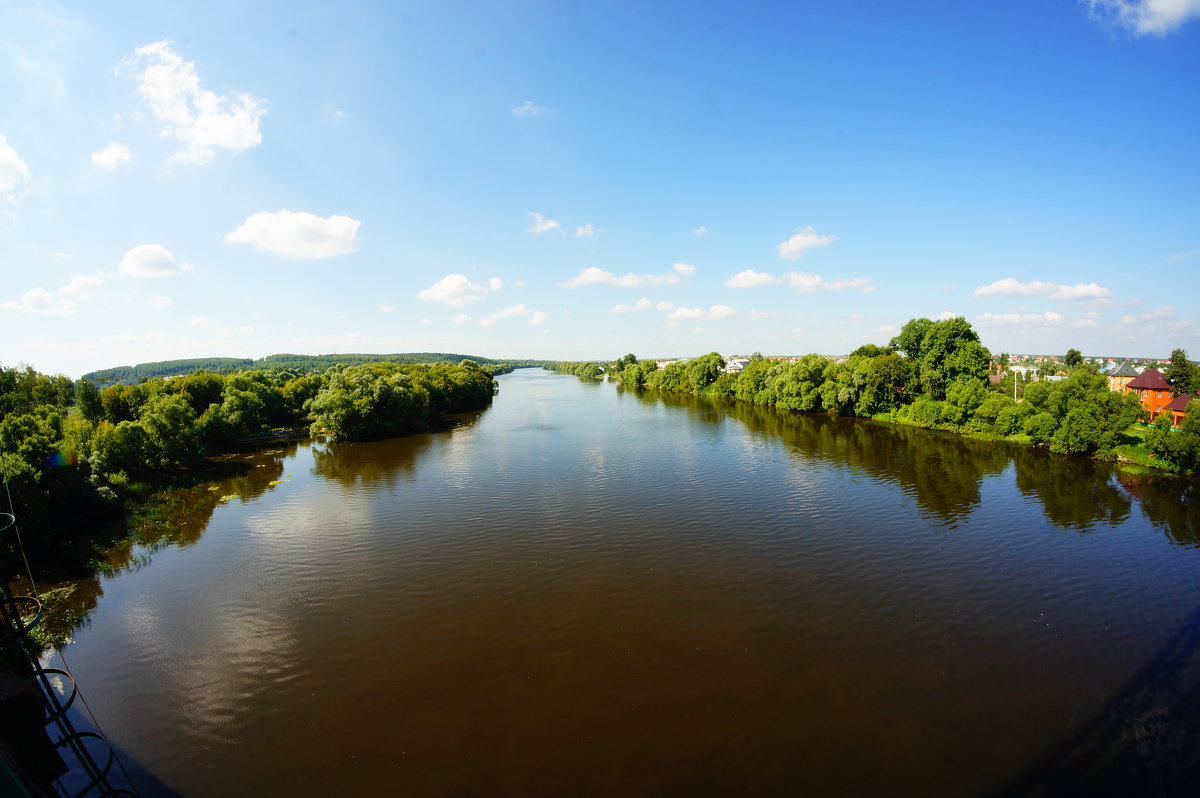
{"x":72,"y":453}
{"x":933,"y":374}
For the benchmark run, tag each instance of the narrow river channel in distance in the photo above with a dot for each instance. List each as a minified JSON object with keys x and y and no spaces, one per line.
{"x":588,"y":591}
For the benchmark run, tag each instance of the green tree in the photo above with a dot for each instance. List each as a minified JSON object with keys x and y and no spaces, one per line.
{"x":87,"y":398}
{"x":1183,"y":374}
{"x":911,"y":339}
{"x":1073,"y":358}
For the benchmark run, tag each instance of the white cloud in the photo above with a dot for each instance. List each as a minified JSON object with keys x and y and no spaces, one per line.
{"x":81,"y":284}
{"x":855,"y":284}
{"x":538,"y":317}
{"x":806,"y":238}
{"x":541,"y":224}
{"x":461,"y":319}
{"x":299,"y":234}
{"x":41,"y":302}
{"x":201,"y":323}
{"x":714,"y":313}
{"x":112,"y":156}
{"x":700,"y":231}
{"x":196,"y":117}
{"x":586,"y":231}
{"x":387,"y":308}
{"x":1158,"y":314}
{"x":1012,"y":288}
{"x":762,"y":315}
{"x":642,"y":304}
{"x":664,"y":305}
{"x":593,"y":276}
{"x":1006,"y":319}
{"x":495,"y":283}
{"x":151,"y":260}
{"x":528,"y":108}
{"x":334,"y":112}
{"x":946,"y":315}
{"x":159,"y":302}
{"x":453,"y":289}
{"x":1158,"y":17}
{"x":750,"y":279}
{"x":12,"y":169}
{"x":807,"y":282}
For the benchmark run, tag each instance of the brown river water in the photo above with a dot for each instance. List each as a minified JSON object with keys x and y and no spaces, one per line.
{"x":586,"y":591}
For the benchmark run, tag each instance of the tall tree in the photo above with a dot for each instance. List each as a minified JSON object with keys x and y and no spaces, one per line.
{"x":1183,"y":374}
{"x":1073,"y":358}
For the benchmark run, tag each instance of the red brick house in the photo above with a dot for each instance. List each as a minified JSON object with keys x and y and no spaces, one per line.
{"x":1178,"y":406}
{"x":1152,"y":390}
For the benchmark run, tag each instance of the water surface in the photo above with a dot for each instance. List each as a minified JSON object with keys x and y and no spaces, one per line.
{"x":587,"y":591}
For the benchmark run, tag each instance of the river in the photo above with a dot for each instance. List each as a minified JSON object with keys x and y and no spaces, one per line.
{"x":586,"y":591}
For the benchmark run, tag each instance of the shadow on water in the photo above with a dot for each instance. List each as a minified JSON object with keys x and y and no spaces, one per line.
{"x":1144,"y":741}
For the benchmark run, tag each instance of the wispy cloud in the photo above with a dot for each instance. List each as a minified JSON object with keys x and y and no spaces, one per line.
{"x":596,"y":276}
{"x":585,"y":231}
{"x":642,"y":304}
{"x":800,"y":282}
{"x":536,"y":317}
{"x":700,"y":231}
{"x":528,"y":108}
{"x":1010,"y":287}
{"x":62,"y":302}
{"x":714,"y":313}
{"x":1157,"y":17}
{"x":541,"y":224}
{"x":13,"y":170}
{"x":196,"y":117}
{"x":1026,"y":319}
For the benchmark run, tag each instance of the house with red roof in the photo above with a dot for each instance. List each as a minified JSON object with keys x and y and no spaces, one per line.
{"x":1178,"y":406}
{"x":1152,"y":389}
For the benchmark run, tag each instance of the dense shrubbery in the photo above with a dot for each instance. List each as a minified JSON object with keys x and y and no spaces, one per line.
{"x":1178,"y":447}
{"x":933,"y":374}
{"x":72,"y":453}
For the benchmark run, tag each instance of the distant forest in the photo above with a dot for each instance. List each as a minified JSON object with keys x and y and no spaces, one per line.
{"x":303,"y":363}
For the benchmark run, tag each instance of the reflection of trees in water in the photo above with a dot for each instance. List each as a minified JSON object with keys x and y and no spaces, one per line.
{"x":1074,"y":492}
{"x":1171,"y":504}
{"x":942,"y":472}
{"x":384,"y":461}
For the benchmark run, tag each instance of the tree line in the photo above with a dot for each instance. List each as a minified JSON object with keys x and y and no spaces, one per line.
{"x":73,"y":455}
{"x":302,"y":363}
{"x":932,"y":374}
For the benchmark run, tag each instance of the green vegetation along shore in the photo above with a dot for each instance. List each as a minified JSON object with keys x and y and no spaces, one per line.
{"x":934,"y":374}
{"x":76,"y":458}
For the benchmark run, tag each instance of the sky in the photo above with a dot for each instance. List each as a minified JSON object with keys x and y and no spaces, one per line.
{"x":579,"y":180}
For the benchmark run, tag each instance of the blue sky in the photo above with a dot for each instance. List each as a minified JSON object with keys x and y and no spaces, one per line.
{"x":580,"y":180}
